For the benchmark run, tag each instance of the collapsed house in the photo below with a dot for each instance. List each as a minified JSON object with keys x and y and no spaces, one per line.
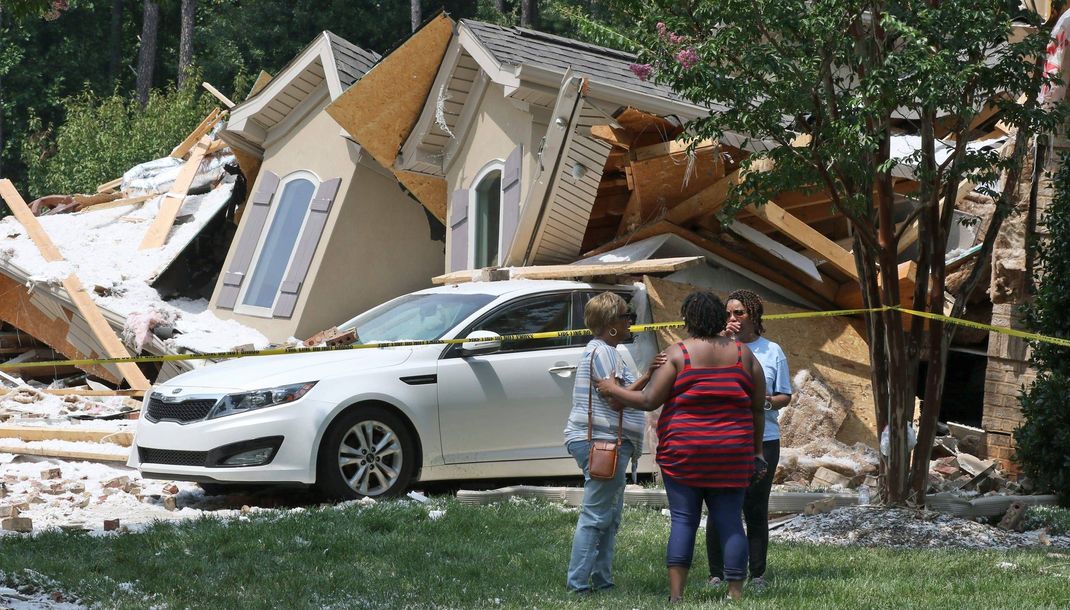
{"x":541,"y":153}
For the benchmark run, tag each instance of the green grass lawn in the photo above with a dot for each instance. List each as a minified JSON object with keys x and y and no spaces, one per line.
{"x":511,"y":555}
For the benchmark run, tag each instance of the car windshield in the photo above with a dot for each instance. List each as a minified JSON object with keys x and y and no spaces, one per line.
{"x":414,"y":317}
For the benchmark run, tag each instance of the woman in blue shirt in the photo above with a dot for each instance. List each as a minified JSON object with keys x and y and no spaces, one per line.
{"x":745,"y":323}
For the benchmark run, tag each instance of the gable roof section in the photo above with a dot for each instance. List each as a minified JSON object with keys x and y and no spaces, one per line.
{"x":329,"y":62}
{"x":351,"y":61}
{"x":523,"y":47}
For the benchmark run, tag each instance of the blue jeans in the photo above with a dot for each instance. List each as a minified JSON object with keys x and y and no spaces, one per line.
{"x":591,"y":564}
{"x":725,"y":507}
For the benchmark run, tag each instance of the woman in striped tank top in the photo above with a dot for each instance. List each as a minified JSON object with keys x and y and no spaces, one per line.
{"x":709,"y":436}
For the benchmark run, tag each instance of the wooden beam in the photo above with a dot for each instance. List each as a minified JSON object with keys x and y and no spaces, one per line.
{"x":849,"y":295}
{"x":806,"y":236}
{"x":202,"y":129}
{"x":821,"y":293}
{"x":219,"y":96}
{"x":91,"y":456}
{"x":103,"y":332}
{"x":557,"y":272}
{"x":72,"y":433}
{"x":704,"y":202}
{"x":156,"y":236}
{"x":672,"y":147}
{"x":109,"y":186}
{"x":262,"y":80}
{"x":117,"y":203}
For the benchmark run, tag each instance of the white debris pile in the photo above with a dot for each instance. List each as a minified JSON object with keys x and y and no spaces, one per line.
{"x":26,"y":402}
{"x":30,"y":590}
{"x":102,"y":248}
{"x":873,"y":526}
{"x":45,"y":493}
{"x":826,"y":463}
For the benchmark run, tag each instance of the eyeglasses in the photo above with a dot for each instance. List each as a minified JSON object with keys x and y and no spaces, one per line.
{"x":629,"y":316}
{"x":739,"y":313}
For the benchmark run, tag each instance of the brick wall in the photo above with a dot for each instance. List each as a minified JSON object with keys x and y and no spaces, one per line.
{"x":1008,"y":370}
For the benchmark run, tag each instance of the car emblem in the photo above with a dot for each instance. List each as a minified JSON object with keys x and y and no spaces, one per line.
{"x":176,"y":391}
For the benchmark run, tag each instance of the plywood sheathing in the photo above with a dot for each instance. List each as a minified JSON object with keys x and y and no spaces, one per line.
{"x":563,"y":272}
{"x":19,"y":308}
{"x":665,"y":175}
{"x":98,"y":326}
{"x":833,"y":347}
{"x":380,"y":109}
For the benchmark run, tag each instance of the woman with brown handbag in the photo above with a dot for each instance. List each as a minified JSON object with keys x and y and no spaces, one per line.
{"x":709,"y":436}
{"x":594,"y":423}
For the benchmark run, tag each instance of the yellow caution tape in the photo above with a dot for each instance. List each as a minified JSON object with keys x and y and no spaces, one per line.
{"x":556,"y":334}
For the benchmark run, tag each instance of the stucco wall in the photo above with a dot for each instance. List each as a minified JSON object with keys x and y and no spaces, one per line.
{"x":377,"y":225}
{"x":498,"y":127}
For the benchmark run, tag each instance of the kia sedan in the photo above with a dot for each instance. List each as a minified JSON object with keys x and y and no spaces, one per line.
{"x":370,"y":422}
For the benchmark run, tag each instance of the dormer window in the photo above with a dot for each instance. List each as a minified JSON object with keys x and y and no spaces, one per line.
{"x":487,"y":212}
{"x":279,"y":242}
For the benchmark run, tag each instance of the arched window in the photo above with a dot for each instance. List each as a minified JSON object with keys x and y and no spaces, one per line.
{"x":487,"y":213}
{"x":279,"y":241}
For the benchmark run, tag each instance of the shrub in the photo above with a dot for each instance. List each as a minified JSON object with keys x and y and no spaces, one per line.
{"x":103,"y":137}
{"x":1043,"y":439}
{"x":1056,"y":519}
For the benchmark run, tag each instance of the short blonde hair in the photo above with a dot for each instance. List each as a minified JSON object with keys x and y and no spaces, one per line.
{"x":602,"y":309}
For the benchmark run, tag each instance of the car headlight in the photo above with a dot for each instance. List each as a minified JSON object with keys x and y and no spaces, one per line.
{"x":232,"y":404}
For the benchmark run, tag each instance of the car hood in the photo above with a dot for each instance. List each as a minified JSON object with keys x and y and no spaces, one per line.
{"x":255,"y":372}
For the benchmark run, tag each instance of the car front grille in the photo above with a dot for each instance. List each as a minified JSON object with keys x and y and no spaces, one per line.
{"x":181,"y":412}
{"x":172,"y":457}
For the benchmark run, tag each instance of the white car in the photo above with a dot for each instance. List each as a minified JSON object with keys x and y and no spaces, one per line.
{"x":369,"y":422}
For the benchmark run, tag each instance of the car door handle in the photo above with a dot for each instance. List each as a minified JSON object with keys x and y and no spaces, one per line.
{"x":556,"y":370}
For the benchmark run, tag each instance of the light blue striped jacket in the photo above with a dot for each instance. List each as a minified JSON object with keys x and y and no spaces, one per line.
{"x":607,"y":361}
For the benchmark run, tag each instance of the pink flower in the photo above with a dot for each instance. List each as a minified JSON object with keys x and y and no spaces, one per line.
{"x":642,"y":71}
{"x":687,"y":58}
{"x":662,"y":29}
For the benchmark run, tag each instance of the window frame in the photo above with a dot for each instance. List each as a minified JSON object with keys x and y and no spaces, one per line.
{"x":454,"y":350}
{"x":497,"y":165}
{"x":240,"y":306}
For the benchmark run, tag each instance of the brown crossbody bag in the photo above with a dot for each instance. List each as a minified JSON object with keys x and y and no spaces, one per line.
{"x":602,"y":463}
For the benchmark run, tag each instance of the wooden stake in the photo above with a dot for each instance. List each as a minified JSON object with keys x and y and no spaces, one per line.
{"x":103,"y":332}
{"x":156,"y":236}
{"x":219,"y":96}
{"x":194,"y":136}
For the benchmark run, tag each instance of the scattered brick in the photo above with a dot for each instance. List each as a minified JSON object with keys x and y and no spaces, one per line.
{"x":51,"y":473}
{"x":111,"y":525}
{"x":17,"y":524}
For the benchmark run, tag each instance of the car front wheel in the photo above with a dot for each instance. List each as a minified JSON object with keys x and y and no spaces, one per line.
{"x":367,"y":452}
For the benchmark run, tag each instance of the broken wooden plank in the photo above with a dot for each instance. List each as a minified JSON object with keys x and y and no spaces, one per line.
{"x":672,"y":147}
{"x":90,"y":456}
{"x":117,"y":203}
{"x":705,"y":202}
{"x":219,"y":96}
{"x":70,"y":433}
{"x":202,"y":129}
{"x":156,"y":236}
{"x":549,"y":272}
{"x":78,"y":295}
{"x":807,"y":236}
{"x":109,"y":186}
{"x":262,"y":80}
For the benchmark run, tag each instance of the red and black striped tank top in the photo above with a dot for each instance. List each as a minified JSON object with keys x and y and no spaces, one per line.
{"x":706,"y":429}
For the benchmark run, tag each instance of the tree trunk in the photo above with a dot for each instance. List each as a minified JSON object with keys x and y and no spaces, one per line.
{"x":115,"y":41}
{"x":499,"y":5}
{"x":416,"y":14}
{"x":529,"y":13}
{"x":185,"y":45}
{"x":146,"y":57}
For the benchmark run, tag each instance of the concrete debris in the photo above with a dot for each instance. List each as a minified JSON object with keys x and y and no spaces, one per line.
{"x":816,"y":411}
{"x":870,"y":526}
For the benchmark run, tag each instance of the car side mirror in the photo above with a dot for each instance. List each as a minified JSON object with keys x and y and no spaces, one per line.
{"x":481,"y":342}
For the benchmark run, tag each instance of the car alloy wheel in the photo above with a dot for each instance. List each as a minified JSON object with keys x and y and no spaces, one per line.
{"x":368,"y":451}
{"x":370,"y":458}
